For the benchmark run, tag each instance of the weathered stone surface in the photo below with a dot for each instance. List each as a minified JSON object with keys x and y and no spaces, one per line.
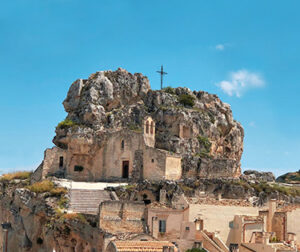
{"x":36,"y":227}
{"x":253,"y":175}
{"x":207,"y":137}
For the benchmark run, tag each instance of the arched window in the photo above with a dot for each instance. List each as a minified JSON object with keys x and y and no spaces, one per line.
{"x":147,"y":127}
{"x":152,"y":128}
{"x":122,"y":145}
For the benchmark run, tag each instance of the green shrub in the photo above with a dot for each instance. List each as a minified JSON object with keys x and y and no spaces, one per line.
{"x":62,"y":203}
{"x":65,"y":124}
{"x":16,"y":175}
{"x":135,"y":127}
{"x":186,"y":100}
{"x":169,"y":90}
{"x":196,"y":250}
{"x":204,"y":141}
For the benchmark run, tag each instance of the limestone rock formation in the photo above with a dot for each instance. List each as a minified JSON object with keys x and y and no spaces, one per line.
{"x":259,"y":176}
{"x":35,"y":223}
{"x":195,"y":124}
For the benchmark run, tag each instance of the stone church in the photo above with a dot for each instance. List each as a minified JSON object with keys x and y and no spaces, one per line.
{"x":120,"y":155}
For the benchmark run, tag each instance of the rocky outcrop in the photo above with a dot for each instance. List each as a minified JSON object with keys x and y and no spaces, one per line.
{"x":195,"y":124}
{"x":252,"y":175}
{"x":257,"y":193}
{"x":290,"y":178}
{"x":36,"y":226}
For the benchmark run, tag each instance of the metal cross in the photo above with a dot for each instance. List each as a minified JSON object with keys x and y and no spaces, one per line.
{"x":162,"y":73}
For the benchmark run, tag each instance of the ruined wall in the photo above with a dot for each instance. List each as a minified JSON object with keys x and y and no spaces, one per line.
{"x":51,"y":162}
{"x":122,"y":217}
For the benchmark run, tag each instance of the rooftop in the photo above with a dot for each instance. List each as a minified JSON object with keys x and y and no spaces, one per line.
{"x":151,"y":246}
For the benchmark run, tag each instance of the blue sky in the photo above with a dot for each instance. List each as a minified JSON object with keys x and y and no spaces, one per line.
{"x":246,"y":52}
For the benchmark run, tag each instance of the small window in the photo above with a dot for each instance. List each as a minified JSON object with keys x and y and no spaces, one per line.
{"x":198,"y":245}
{"x":151,"y":128}
{"x":78,"y":168}
{"x":61,"y":161}
{"x":187,"y":228}
{"x":147,"y":127}
{"x":233,"y":247}
{"x":122,"y":145}
{"x":162,"y":226}
{"x":152,"y":160}
{"x":231,"y":224}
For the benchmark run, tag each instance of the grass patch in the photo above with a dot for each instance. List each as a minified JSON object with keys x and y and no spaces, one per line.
{"x":205,"y":146}
{"x":16,"y":175}
{"x":131,"y":187}
{"x":135,"y":127}
{"x":47,"y":186}
{"x":65,"y":124}
{"x":62,"y":203}
{"x":186,"y":100}
{"x":169,"y":90}
{"x":73,"y":217}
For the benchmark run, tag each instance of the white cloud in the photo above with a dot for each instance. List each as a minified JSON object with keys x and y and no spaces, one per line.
{"x":220,"y":47}
{"x":240,"y":81}
{"x":252,"y":124}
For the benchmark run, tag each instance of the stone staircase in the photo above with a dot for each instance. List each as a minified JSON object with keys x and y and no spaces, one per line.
{"x":87,"y":200}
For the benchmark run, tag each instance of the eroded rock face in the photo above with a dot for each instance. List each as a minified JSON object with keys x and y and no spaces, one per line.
{"x":258,"y":176}
{"x":196,"y":125}
{"x":34,"y":226}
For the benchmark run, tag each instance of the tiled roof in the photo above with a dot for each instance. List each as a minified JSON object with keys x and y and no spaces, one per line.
{"x":147,"y":246}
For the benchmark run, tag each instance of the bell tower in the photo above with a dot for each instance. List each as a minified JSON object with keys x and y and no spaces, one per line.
{"x":149,"y":131}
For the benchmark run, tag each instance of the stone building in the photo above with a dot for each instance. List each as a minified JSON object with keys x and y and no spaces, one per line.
{"x":267,"y":231}
{"x":122,"y":154}
{"x":176,"y":225}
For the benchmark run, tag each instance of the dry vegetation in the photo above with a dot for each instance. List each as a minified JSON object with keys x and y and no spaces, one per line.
{"x":47,"y":186}
{"x":16,"y":175}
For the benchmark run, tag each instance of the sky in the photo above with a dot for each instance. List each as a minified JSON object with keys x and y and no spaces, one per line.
{"x":246,"y":52}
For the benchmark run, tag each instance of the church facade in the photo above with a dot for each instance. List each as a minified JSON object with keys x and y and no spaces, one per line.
{"x":121,"y":155}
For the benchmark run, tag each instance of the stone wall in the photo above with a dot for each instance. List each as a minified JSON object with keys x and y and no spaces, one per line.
{"x":279,"y":225}
{"x":51,"y":163}
{"x":292,"y":225}
{"x":117,"y":217}
{"x":173,"y":168}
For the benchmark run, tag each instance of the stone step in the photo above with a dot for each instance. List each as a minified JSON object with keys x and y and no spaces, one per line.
{"x":87,"y":201}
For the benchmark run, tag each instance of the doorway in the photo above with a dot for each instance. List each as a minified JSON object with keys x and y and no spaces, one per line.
{"x":125,"y":169}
